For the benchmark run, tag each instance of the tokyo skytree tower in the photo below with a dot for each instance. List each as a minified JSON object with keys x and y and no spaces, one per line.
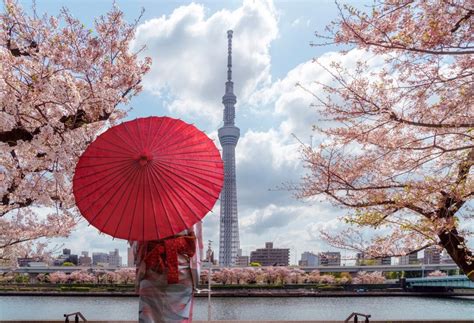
{"x":228,"y":136}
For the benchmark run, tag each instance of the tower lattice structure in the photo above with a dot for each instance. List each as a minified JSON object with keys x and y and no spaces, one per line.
{"x":229,"y":134}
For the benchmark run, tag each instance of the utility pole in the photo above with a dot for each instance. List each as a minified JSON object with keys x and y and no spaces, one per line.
{"x":209,"y":277}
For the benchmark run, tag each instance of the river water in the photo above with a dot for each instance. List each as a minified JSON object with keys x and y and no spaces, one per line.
{"x":246,"y":308}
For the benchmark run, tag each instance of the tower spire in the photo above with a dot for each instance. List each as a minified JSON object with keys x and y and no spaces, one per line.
{"x":229,"y":55}
{"x":229,"y":243}
{"x":229,"y":100}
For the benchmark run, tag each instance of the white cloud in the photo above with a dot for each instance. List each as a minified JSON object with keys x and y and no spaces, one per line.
{"x":295,"y":22}
{"x":189,"y":52}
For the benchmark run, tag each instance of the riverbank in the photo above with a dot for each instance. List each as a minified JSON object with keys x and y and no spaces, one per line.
{"x":394,"y":308}
{"x":249,"y":293}
{"x":235,"y":321}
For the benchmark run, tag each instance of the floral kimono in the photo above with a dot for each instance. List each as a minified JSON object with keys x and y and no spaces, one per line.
{"x":167,"y":272}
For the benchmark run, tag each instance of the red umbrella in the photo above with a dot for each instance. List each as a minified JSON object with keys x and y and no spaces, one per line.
{"x":148,"y":179}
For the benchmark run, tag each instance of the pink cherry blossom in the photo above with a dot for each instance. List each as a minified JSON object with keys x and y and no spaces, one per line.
{"x":437,"y":273}
{"x":60,"y":85}
{"x":398,"y":148}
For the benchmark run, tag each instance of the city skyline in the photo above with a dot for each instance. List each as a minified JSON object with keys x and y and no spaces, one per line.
{"x":186,"y":80}
{"x":270,"y":108}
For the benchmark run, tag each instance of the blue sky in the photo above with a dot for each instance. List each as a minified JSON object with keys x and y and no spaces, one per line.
{"x":187,"y":42}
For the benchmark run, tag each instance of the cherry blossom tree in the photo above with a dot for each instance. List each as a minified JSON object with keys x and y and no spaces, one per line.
{"x":314,"y":277}
{"x":58,"y":277}
{"x":250,"y":275}
{"x":43,"y":278}
{"x":296,"y":276}
{"x":364,"y":277}
{"x":126,"y":275}
{"x":327,"y":279}
{"x":437,"y":273}
{"x":203,"y":277}
{"x":82,"y":276}
{"x":398,"y":145}
{"x":60,"y":85}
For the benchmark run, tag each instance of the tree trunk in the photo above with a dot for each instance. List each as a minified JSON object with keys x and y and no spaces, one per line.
{"x":462,"y":256}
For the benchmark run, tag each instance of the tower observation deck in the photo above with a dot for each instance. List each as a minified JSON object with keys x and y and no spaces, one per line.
{"x":229,"y":134}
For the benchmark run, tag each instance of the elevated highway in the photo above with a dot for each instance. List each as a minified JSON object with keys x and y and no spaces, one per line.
{"x":322,"y":269}
{"x":454,"y":282}
{"x":382,"y":268}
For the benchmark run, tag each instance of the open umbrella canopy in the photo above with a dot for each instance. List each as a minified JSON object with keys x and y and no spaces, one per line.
{"x":148,"y":179}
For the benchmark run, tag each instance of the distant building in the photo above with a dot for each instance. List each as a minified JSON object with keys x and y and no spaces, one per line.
{"x":37,"y":264}
{"x":446,"y":258}
{"x":270,"y":256}
{"x":25,"y":262}
{"x":432,"y":255}
{"x":130,"y":257}
{"x":84,"y":259}
{"x":115,"y":259}
{"x":410,"y":259}
{"x":309,"y":259}
{"x":112,"y":259}
{"x":74,"y":259}
{"x":384,"y":261}
{"x":330,"y":258}
{"x":242,"y":261}
{"x":66,"y":256}
{"x":100,"y":257}
{"x":363,"y":260}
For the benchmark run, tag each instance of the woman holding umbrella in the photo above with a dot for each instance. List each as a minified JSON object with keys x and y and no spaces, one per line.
{"x":151,"y":181}
{"x":167,"y":272}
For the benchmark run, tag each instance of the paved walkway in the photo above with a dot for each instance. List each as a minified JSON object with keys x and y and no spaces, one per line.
{"x":360,"y":320}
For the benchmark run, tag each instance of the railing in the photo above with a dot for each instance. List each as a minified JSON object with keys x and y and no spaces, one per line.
{"x":356,"y":317}
{"x":77,"y":315}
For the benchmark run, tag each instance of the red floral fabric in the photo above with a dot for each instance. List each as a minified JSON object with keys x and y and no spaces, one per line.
{"x":164,"y":255}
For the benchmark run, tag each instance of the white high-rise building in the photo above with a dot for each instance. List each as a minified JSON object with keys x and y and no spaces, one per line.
{"x":229,"y":134}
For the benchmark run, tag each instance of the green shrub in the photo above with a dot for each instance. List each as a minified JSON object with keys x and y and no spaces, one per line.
{"x":74,"y":289}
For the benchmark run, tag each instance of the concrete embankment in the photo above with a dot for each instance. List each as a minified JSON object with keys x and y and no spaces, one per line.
{"x":249,"y":293}
{"x":225,"y":321}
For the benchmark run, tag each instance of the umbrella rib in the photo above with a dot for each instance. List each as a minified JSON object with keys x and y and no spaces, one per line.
{"x":98,"y":172}
{"x":121,"y":197}
{"x":165,"y":139}
{"x":205,"y":171}
{"x":182,"y":151}
{"x":207,"y":167}
{"x":175,"y":140}
{"x":147,"y":144}
{"x":123,"y":147}
{"x":192,"y":195}
{"x":153,"y":177}
{"x":128,"y":133}
{"x":171,"y":170}
{"x":195,"y":142}
{"x":197,"y":186}
{"x":116,"y":190}
{"x":159,"y":133}
{"x":205,"y":160}
{"x":185,"y":202}
{"x":140,"y":139}
{"x":152,"y":198}
{"x":104,"y":164}
{"x":99,"y":187}
{"x":167,"y":195}
{"x":140,"y":176}
{"x":129,"y":143}
{"x":156,"y":133}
